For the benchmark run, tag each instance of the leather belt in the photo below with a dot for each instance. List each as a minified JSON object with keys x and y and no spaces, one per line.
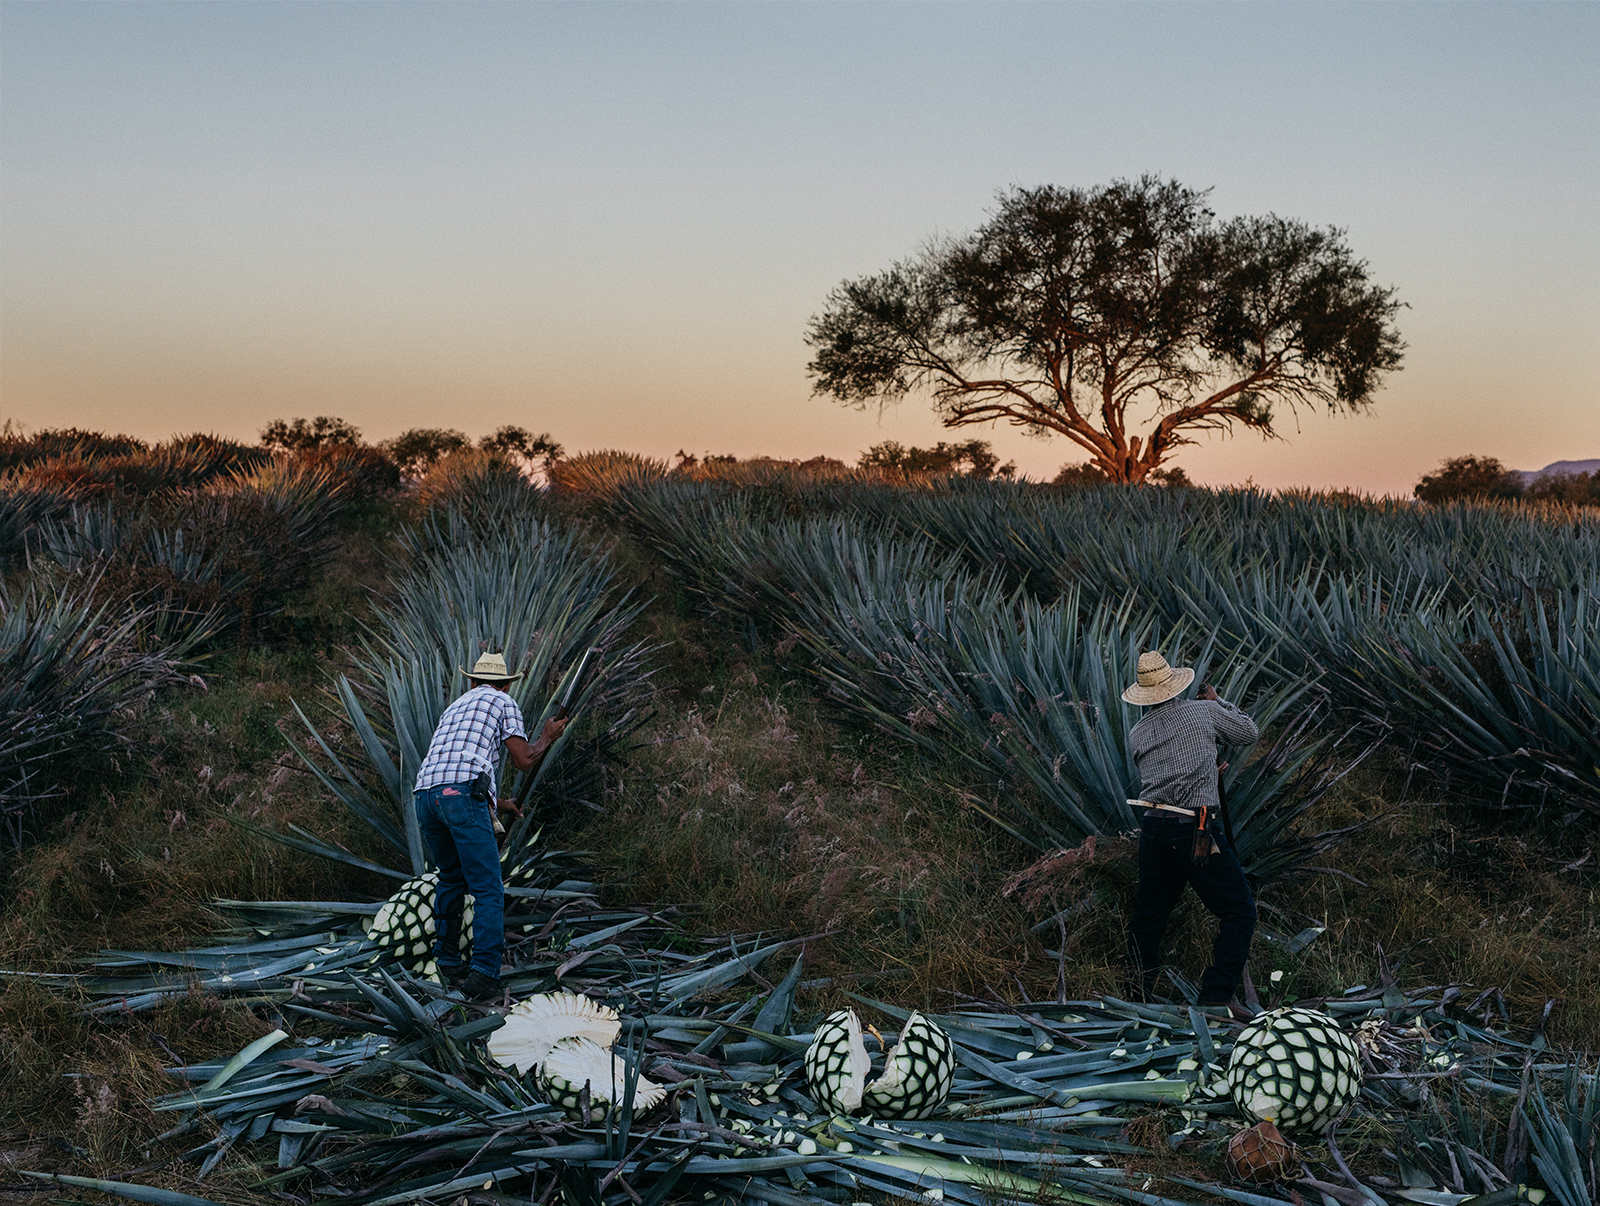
{"x":1173,"y":808}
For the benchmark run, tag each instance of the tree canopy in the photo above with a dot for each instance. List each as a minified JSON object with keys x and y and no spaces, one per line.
{"x":973,"y":458}
{"x":301,"y":435}
{"x":1092,"y":312}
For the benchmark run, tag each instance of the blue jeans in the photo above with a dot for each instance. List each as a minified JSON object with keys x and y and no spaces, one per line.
{"x":1166,"y":844}
{"x":460,"y":836}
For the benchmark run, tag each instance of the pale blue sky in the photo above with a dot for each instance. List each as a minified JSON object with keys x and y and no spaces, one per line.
{"x":612,"y":222}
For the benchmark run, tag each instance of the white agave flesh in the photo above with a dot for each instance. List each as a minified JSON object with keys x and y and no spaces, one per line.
{"x":576,"y":1062}
{"x":837,"y":1062}
{"x":536,"y":1025}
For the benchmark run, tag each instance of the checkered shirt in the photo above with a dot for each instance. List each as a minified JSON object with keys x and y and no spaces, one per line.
{"x":470,"y":737}
{"x":1175,"y":748}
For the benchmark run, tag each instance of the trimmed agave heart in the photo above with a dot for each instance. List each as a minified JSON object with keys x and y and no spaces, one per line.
{"x":917,"y":1074}
{"x":535,"y":1026}
{"x":1294,"y":1068}
{"x":837,"y":1062}
{"x":404,"y":925}
{"x":576,"y":1062}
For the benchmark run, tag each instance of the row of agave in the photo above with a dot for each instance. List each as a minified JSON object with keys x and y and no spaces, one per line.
{"x":1465,"y":635}
{"x":122,"y":593}
{"x":378,"y":1088}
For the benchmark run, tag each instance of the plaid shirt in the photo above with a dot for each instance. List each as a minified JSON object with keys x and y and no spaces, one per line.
{"x":470,"y":737}
{"x":1175,"y":748}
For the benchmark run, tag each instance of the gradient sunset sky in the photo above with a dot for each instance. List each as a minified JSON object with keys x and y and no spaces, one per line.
{"x":613,"y":221}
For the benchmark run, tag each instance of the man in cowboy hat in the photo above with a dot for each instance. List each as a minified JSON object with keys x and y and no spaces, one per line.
{"x":1175,"y":749}
{"x":457,"y":821}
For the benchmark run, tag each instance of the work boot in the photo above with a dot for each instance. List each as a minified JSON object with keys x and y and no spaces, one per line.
{"x":454,"y":977}
{"x":485,"y":990}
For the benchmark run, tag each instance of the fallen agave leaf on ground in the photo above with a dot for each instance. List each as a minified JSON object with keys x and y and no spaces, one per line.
{"x":388,"y":1086}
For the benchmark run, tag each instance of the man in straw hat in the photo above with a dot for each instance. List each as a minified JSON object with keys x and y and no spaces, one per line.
{"x":457,"y":816}
{"x":1175,"y":748}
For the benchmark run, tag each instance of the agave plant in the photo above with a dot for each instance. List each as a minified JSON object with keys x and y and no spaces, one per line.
{"x":1565,"y":1136}
{"x":605,"y":472}
{"x":25,"y":508}
{"x":540,"y":595}
{"x":1028,"y":694}
{"x":71,"y":672}
{"x":1504,"y":702}
{"x":222,"y":557}
{"x":475,"y":478}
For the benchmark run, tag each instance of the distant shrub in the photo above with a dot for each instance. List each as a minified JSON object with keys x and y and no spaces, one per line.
{"x":364,"y":471}
{"x":1079,"y":477}
{"x":1572,"y":488}
{"x":1468,"y":477}
{"x":604,"y":472}
{"x":532,"y":452}
{"x":973,"y":458}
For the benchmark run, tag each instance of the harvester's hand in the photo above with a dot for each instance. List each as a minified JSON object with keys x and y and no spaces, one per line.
{"x":1208,"y":692}
{"x":552,"y":729}
{"x":508,"y":807}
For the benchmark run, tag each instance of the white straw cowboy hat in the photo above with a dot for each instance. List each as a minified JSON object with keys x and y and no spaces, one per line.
{"x":1158,"y":681}
{"x":491,"y":668}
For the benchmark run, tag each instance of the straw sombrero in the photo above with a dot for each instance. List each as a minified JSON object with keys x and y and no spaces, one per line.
{"x":491,"y":668}
{"x":1158,"y":681}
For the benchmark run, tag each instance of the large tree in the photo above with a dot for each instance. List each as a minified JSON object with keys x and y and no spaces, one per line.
{"x":1093,"y":313}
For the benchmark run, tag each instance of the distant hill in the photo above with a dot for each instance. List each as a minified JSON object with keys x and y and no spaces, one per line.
{"x":1529,"y":476}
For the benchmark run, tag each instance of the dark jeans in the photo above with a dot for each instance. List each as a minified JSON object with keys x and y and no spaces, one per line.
{"x":1165,"y":846}
{"x":460,"y":835}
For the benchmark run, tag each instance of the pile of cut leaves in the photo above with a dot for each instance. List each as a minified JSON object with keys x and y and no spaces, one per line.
{"x":378,"y":1086}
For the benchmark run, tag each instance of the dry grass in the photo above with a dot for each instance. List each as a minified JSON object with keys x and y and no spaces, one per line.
{"x":1493,"y":910}
{"x":772,"y":819}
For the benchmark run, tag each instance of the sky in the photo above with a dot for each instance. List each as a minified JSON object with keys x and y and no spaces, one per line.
{"x":612,"y":222}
